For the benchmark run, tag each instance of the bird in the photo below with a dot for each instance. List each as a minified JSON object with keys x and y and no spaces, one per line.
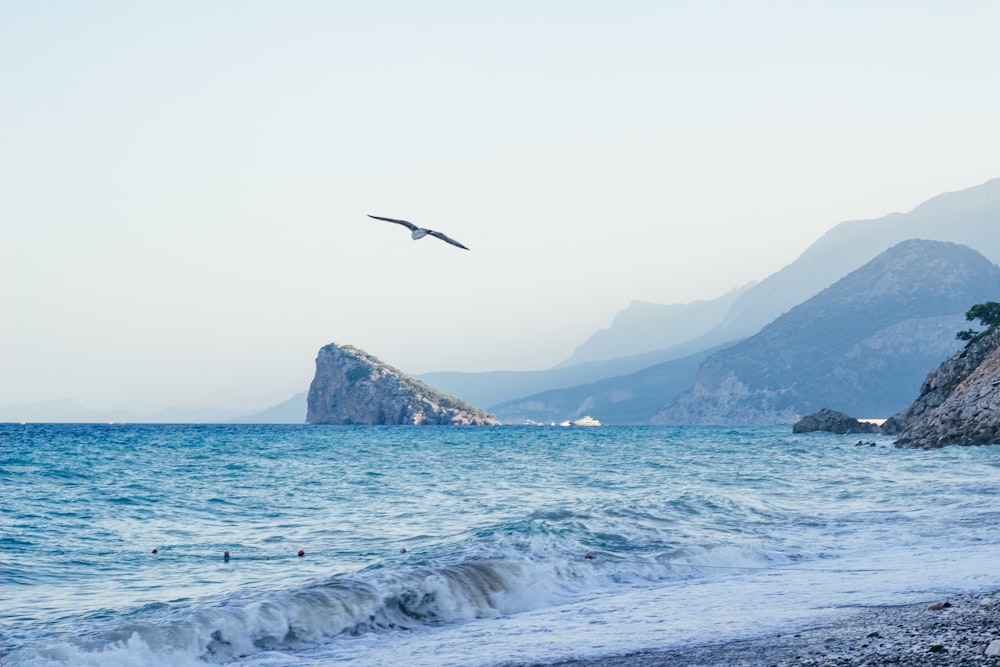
{"x":420,"y":232}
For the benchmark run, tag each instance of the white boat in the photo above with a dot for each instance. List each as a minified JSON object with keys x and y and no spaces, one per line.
{"x":586,"y":421}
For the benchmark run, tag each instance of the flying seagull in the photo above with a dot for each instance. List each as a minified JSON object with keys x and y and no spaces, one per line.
{"x":421,"y":232}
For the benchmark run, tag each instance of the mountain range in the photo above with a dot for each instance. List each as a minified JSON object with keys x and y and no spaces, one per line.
{"x":970,"y":217}
{"x":68,"y":410}
{"x":863,"y":344}
{"x":652,"y":354}
{"x":645,"y":327}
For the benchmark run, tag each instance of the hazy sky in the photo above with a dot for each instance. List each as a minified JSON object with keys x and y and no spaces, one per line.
{"x":184,"y":185}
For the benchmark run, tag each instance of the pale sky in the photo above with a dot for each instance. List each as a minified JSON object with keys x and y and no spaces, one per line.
{"x":184,"y":185}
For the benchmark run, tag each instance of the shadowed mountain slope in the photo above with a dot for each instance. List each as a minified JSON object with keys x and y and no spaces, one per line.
{"x":862,"y":345}
{"x":627,"y":399}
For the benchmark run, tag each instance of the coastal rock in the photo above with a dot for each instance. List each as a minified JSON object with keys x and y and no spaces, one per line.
{"x":959,"y":402}
{"x":833,"y":422}
{"x":353,"y":387}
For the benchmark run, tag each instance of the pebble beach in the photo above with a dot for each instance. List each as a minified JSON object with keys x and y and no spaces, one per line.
{"x":951,"y":632}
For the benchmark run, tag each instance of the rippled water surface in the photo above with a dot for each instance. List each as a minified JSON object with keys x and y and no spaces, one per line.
{"x":465,"y":546}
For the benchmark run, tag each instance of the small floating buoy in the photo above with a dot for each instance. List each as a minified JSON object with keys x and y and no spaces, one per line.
{"x":156,"y":551}
{"x":301,"y":553}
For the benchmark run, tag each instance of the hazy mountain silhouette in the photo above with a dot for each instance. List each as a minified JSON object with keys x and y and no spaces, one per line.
{"x":646,"y":327}
{"x":69,"y":411}
{"x":862,"y":346}
{"x":292,"y":411}
{"x":628,"y":399}
{"x":492,"y":387}
{"x":970,"y":217}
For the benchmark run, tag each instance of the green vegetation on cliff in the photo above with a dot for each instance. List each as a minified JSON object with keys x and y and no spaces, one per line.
{"x":987,"y":313}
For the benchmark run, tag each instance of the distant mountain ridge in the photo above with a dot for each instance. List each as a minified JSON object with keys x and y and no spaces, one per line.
{"x":292,"y":411}
{"x":864,"y":344}
{"x":626,"y":399}
{"x":970,"y":217}
{"x":645,"y":327}
{"x":494,"y":387}
{"x":69,"y":411}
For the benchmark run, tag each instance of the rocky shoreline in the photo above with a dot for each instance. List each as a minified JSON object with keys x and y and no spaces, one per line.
{"x":962,"y":630}
{"x":958,"y":404}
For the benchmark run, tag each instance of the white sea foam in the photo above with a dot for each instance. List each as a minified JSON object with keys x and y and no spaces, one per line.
{"x":740,"y":603}
{"x":397,"y":603}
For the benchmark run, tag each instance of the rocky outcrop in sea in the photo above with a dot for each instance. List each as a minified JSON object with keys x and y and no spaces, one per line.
{"x":833,"y":422}
{"x":353,"y":387}
{"x":959,"y":402}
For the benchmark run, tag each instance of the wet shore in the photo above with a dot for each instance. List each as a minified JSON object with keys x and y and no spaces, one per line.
{"x":955,"y":631}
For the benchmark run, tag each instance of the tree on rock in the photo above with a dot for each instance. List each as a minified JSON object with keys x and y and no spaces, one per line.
{"x":987,"y":313}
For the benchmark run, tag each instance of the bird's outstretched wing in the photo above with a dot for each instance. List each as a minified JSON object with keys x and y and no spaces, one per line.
{"x":409,"y":225}
{"x":446,"y":238}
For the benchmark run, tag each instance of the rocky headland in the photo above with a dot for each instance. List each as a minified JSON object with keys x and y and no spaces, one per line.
{"x":959,"y":402}
{"x":353,"y":387}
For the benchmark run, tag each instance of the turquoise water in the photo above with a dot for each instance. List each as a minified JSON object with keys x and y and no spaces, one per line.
{"x":464,"y":546}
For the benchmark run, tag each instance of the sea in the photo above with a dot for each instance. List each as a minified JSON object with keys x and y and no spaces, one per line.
{"x":479,"y":546}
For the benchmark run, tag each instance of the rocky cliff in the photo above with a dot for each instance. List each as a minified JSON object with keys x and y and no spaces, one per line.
{"x":353,"y":387}
{"x":959,"y":402}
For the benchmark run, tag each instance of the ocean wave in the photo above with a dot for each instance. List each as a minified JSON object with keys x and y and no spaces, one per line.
{"x":380,"y":600}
